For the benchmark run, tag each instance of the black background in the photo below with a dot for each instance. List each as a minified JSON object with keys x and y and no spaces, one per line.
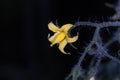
{"x":25,"y":53}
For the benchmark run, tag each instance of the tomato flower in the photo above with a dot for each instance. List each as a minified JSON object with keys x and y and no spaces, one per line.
{"x":61,"y":36}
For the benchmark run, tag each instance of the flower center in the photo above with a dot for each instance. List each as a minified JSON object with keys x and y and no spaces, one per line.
{"x":60,"y":37}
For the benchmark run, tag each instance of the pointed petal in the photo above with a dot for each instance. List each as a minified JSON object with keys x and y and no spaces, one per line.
{"x":62,"y":46}
{"x":66,"y":27}
{"x":52,"y":38}
{"x":71,"y":40}
{"x":58,"y":38}
{"x":52,"y":27}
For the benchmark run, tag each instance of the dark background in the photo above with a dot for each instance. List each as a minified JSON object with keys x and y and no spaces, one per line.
{"x":25,"y":53}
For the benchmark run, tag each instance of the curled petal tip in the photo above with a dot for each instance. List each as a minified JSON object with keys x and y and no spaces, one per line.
{"x":62,"y":46}
{"x":73,"y":39}
{"x":66,"y":27}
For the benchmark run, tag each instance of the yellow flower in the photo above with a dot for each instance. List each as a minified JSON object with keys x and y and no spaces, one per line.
{"x":61,"y":36}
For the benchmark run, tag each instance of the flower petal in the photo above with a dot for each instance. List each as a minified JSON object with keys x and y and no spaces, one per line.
{"x":66,"y":27}
{"x":62,"y":46}
{"x":52,"y":27}
{"x":71,"y":40}
{"x":52,"y":38}
{"x":58,"y":37}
